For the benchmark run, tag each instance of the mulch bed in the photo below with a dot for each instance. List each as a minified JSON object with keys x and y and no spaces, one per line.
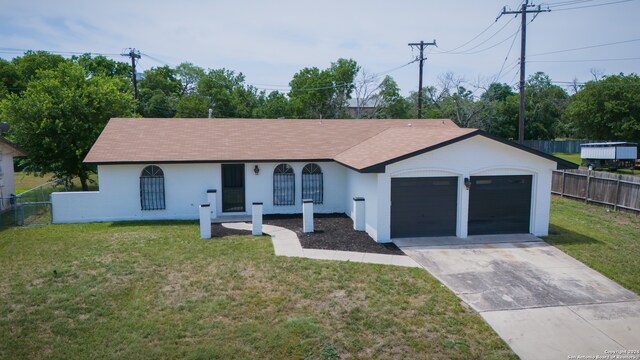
{"x":219,"y":231}
{"x":332,"y":232}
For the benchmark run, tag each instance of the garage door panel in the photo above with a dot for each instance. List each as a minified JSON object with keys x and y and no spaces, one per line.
{"x":423,"y":206}
{"x":499,"y":204}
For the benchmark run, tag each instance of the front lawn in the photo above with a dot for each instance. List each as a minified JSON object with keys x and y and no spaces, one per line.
{"x":154,"y":290}
{"x":605,"y":240}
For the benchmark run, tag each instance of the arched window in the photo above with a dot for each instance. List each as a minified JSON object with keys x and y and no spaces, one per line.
{"x":152,"y":188}
{"x":312,"y":183}
{"x":284,"y":185}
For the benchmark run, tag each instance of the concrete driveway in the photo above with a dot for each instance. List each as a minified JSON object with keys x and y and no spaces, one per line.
{"x":542,"y":302}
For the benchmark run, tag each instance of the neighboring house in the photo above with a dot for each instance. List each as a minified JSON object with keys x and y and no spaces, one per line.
{"x":418,"y":178}
{"x":361,"y":108}
{"x":7,"y":182}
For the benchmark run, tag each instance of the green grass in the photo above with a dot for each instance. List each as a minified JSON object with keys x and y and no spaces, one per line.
{"x":154,"y":290}
{"x":26,"y":181}
{"x":605,"y":240}
{"x":574,"y":158}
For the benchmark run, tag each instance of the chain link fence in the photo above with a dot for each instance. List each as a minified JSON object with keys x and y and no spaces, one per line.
{"x":30,"y":208}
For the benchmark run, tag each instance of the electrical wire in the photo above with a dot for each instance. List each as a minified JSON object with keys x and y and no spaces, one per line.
{"x":585,"y":47}
{"x":507,"y":57}
{"x":583,"y":60}
{"x":478,"y":45}
{"x":14,"y":50}
{"x":590,"y":6}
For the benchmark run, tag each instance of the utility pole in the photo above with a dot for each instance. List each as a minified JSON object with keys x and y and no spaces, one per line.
{"x":421,"y":46}
{"x":134,"y":55}
{"x":524,"y":10}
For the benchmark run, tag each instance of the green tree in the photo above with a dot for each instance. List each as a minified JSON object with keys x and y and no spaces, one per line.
{"x":273,"y":106}
{"x":499,"y":114}
{"x":60,"y":115}
{"x":391,"y":104}
{"x":159,"y":90}
{"x":325,"y":93}
{"x":100,"y":65}
{"x":545,"y":104}
{"x":607,"y":109}
{"x":193,"y":106}
{"x":311,"y":93}
{"x":32,"y":62}
{"x":343,"y":73}
{"x":189,"y":76}
{"x":8,"y":79}
{"x":228,"y":94}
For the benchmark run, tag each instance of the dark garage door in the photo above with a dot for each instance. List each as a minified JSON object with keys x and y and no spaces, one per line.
{"x":423,"y":206}
{"x":499,"y":204}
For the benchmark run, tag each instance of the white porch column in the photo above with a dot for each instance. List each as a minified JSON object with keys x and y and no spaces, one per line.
{"x":211,"y":198}
{"x":205,"y":222}
{"x":256,"y":218}
{"x":358,"y":214}
{"x":307,"y":215}
{"x":463,"y":207}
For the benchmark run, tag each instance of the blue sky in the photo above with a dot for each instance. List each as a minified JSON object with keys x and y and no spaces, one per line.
{"x":269,"y":41}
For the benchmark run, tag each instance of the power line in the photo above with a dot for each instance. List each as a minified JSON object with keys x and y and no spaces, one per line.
{"x":468,"y":51}
{"x":507,"y":56}
{"x":586,"y":47}
{"x":475,"y":37}
{"x":15,"y":50}
{"x":583,"y":60}
{"x":565,"y":3}
{"x":594,"y":5}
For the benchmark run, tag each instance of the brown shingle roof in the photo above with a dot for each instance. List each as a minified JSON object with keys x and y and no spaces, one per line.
{"x":16,"y":151}
{"x":364,"y":145}
{"x":215,"y":140}
{"x":395,"y":143}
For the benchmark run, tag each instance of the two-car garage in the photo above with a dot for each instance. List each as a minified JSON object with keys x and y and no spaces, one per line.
{"x":428,"y":206}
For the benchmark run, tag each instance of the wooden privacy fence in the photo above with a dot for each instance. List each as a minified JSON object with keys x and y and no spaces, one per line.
{"x":619,"y":191}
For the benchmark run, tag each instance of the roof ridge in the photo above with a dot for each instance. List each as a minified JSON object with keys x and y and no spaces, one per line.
{"x":367,"y":139}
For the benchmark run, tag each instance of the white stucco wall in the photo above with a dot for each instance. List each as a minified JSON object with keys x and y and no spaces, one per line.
{"x":365,"y":186}
{"x":472,"y":157}
{"x":185,"y":189}
{"x":259,"y":188}
{"x":186,"y":186}
{"x":7,"y":179}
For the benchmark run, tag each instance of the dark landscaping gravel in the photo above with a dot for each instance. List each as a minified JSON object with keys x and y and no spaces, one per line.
{"x":219,"y":231}
{"x":332,"y":232}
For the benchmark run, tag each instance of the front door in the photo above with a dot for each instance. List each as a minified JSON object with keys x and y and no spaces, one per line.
{"x":233,"y":188}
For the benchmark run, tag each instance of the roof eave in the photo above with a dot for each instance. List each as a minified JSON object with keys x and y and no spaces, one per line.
{"x":561,"y":164}
{"x":381,"y":167}
{"x":18,"y":150}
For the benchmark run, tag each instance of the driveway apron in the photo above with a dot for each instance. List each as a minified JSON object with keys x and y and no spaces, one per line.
{"x":542,"y":302}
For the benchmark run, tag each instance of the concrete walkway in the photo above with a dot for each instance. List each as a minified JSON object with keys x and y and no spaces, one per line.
{"x":286,"y":243}
{"x":542,"y":302}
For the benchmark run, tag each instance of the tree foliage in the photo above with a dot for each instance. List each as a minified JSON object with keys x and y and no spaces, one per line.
{"x":59,"y":116}
{"x":325,"y":93}
{"x":607,"y":109}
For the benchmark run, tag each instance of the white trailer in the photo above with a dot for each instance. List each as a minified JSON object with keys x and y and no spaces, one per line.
{"x":612,"y":155}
